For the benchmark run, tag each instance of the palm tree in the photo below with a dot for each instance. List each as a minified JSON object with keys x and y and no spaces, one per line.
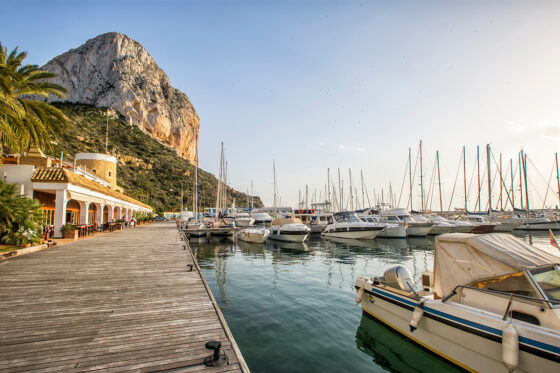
{"x":25,"y":116}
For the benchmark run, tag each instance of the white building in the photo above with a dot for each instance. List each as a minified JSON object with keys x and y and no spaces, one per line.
{"x":83,"y":193}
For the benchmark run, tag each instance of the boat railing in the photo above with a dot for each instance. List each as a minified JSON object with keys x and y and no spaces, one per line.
{"x":504,"y":293}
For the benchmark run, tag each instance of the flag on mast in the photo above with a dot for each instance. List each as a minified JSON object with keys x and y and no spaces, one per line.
{"x":552,"y":239}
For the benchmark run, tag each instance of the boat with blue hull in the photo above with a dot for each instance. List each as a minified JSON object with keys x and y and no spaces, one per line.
{"x":492,"y":304}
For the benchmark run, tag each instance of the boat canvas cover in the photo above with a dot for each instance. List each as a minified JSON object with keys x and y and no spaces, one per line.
{"x":462,"y":258}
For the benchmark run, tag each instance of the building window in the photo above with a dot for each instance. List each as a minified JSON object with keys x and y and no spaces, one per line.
{"x":48,"y":216}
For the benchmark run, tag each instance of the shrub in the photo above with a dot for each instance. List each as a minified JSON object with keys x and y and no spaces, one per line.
{"x":20,"y":217}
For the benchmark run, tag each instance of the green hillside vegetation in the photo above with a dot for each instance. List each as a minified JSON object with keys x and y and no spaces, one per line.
{"x":147,"y":170}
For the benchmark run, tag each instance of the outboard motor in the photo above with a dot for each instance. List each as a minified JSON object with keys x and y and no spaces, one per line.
{"x":398,"y":277}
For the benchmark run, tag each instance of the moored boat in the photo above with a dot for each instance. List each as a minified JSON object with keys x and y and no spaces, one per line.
{"x":289,"y":229}
{"x":492,"y":304}
{"x":243,"y":219}
{"x":253,"y":234}
{"x":347,"y":225}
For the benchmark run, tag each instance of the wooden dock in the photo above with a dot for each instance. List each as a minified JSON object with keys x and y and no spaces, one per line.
{"x":124,"y":301}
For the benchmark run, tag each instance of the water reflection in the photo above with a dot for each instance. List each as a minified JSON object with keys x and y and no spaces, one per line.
{"x":291,"y":306}
{"x":394,"y":353}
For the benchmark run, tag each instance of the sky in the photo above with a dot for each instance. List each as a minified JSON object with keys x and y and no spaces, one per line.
{"x":340,"y":84}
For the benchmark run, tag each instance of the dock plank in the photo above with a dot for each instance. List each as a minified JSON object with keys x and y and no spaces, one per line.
{"x":124,"y":301}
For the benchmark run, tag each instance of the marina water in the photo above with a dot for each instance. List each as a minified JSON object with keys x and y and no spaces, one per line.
{"x":291,"y":307}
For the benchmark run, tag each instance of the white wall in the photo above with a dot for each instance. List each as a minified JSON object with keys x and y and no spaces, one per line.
{"x":19,"y":175}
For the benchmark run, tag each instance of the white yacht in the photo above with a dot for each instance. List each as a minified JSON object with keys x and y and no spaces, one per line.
{"x":417,"y":226}
{"x":347,"y":225}
{"x":539,"y":223}
{"x":479,"y":224}
{"x":289,"y":229}
{"x":492,"y":304}
{"x":262,"y":218}
{"x":394,"y":227}
{"x":253,"y":234}
{"x":507,"y":222}
{"x":441,"y":225}
{"x":320,"y":221}
{"x":243,"y":219}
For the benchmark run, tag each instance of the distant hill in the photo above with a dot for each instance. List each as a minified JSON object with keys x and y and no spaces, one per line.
{"x":148,"y":170}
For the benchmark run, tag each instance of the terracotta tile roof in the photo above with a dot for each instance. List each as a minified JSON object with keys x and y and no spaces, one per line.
{"x":61,"y":175}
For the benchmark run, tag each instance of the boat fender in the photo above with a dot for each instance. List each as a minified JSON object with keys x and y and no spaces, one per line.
{"x":510,"y":347}
{"x":416,"y":317}
{"x":359,"y":295}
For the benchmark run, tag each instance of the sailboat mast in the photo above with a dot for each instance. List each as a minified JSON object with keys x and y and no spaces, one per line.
{"x":465,"y":176}
{"x":251,"y":194}
{"x":328,"y":194}
{"x":340,"y":201}
{"x":478,"y":172}
{"x":421,"y":179}
{"x":526,"y":184}
{"x":557,"y":174}
{"x":489,"y":178}
{"x":512,"y":190}
{"x":275,"y":191}
{"x":410,"y":176}
{"x":363,"y":200}
{"x":501,"y":202}
{"x":439,"y":182}
{"x":350,"y":187}
{"x":521,"y":176}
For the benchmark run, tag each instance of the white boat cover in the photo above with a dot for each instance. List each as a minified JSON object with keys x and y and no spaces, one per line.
{"x":462,"y":258}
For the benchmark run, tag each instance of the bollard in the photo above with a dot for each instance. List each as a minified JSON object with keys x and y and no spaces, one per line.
{"x":216,"y":359}
{"x":190,"y":267}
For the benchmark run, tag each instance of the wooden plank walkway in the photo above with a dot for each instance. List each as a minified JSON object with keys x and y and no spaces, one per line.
{"x":123,"y":301}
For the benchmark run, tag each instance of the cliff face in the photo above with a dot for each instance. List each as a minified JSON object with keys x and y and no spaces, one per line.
{"x":112,"y":70}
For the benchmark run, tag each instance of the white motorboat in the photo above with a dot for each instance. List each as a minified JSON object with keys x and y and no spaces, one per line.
{"x":262,"y":218}
{"x":507,"y":222}
{"x":538,"y":224}
{"x":417,"y":226}
{"x":347,"y":225}
{"x":492,"y":304}
{"x":394,"y":227}
{"x":320,"y":221}
{"x":479,"y":224}
{"x":441,"y":225}
{"x":243,"y":219}
{"x":253,"y":234}
{"x":289,"y":229}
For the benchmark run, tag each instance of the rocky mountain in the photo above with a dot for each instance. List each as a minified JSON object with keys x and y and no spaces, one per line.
{"x":112,"y":70}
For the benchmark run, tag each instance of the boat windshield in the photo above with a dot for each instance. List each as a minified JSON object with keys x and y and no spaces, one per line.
{"x":548,"y":279}
{"x":346,"y":217}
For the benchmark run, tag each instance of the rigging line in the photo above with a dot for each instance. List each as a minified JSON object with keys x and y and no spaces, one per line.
{"x":472,"y":179}
{"x":481,"y":183}
{"x":455,"y":183}
{"x":413,"y":177}
{"x":535,"y":167}
{"x":548,"y":186}
{"x":535,"y":189}
{"x":432,"y":184}
{"x":502,"y":179}
{"x":505,"y":177}
{"x":404,"y":180}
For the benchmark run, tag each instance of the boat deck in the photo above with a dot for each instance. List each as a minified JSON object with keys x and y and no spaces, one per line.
{"x":117,"y":302}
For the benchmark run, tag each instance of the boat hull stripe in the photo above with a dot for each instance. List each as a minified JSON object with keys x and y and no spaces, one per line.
{"x":532,"y":346}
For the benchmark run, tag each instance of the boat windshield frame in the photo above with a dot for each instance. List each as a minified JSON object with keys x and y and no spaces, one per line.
{"x":532,"y":272}
{"x":346,"y":217}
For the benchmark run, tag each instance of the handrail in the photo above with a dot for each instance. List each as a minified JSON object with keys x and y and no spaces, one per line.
{"x":526,"y":297}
